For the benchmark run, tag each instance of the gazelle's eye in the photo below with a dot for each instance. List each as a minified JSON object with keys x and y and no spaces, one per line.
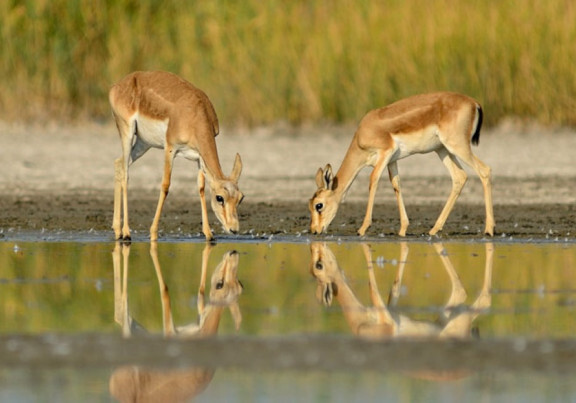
{"x":220,"y":199}
{"x":319,"y":265}
{"x":220,"y":284}
{"x":319,"y":206}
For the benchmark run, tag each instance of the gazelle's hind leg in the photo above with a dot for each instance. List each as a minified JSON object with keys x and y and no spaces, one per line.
{"x":120,"y":218}
{"x":484,"y":300}
{"x":456,"y":323}
{"x":459,"y":177}
{"x":485,"y":174}
{"x":460,"y":324}
{"x":458,"y":294}
{"x":120,"y":260}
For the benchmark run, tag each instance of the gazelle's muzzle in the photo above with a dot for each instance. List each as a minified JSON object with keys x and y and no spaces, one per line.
{"x":316,"y":226}
{"x":233,"y":226}
{"x":228,"y":217}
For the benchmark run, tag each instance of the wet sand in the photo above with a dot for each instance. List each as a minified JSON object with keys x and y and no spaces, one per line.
{"x":59,"y":179}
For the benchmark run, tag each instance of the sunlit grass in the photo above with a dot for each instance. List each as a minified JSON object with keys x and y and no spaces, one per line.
{"x":299,"y":61}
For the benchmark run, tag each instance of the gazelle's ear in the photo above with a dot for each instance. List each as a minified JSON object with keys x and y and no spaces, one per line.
{"x":237,"y":169}
{"x":329,"y":177}
{"x":320,"y":178}
{"x":236,"y":314}
{"x":325,"y":178}
{"x":327,"y":294}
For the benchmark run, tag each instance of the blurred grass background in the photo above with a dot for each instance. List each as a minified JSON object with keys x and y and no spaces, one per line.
{"x":303,"y":61}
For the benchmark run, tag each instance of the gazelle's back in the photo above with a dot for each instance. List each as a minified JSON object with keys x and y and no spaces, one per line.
{"x":160,"y":95}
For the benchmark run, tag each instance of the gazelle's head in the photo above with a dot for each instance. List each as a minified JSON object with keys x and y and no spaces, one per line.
{"x":324,"y":268}
{"x":225,"y":197}
{"x":225,"y":288}
{"x":324,"y":204}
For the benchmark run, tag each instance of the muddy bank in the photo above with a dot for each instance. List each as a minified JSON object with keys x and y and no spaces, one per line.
{"x":89,"y":211}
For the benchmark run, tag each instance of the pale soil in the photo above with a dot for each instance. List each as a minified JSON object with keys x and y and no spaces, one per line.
{"x":59,"y":178}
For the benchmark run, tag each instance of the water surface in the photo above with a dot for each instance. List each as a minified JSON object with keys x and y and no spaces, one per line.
{"x":85,"y":320}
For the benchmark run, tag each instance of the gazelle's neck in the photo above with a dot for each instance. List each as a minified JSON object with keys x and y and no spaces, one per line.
{"x":209,"y":161}
{"x":354,"y":312}
{"x":213,"y":172}
{"x":352,"y":164}
{"x":210,"y":321}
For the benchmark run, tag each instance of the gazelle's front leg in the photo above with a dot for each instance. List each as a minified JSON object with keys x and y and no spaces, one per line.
{"x":202,"y":287}
{"x":117,"y":218}
{"x":381,"y":310}
{"x":165,"y":187}
{"x":201,"y":190}
{"x":124,"y":183}
{"x":167,"y":320}
{"x":395,"y":290}
{"x":374,"y":179}
{"x":395,"y":181}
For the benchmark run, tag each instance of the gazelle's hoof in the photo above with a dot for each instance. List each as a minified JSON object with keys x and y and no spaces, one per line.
{"x":210,"y":237}
{"x":434,"y":231}
{"x":124,"y":238}
{"x":363,"y":229}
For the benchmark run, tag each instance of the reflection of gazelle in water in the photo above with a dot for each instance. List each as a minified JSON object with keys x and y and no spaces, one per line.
{"x":377,"y":321}
{"x":146,"y":385}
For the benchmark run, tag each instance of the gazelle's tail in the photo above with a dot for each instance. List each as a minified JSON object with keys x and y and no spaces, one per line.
{"x":479,"y":117}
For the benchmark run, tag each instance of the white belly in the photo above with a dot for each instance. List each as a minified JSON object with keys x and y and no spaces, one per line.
{"x":419,"y":142}
{"x":188,"y":153}
{"x":151,"y":131}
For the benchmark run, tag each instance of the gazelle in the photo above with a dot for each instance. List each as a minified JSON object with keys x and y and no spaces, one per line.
{"x":444,"y":122}
{"x":377,"y":321}
{"x":161,"y":110}
{"x":129,"y":384}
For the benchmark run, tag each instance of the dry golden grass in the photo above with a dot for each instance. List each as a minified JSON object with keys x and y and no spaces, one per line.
{"x":298,"y":61}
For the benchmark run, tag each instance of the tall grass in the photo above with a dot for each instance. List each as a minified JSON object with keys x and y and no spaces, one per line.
{"x":300,"y":61}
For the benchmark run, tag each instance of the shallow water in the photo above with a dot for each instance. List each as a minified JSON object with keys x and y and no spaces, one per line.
{"x":320,"y":321}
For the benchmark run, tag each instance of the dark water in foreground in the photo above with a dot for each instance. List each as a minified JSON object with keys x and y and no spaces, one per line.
{"x":308,"y":321}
